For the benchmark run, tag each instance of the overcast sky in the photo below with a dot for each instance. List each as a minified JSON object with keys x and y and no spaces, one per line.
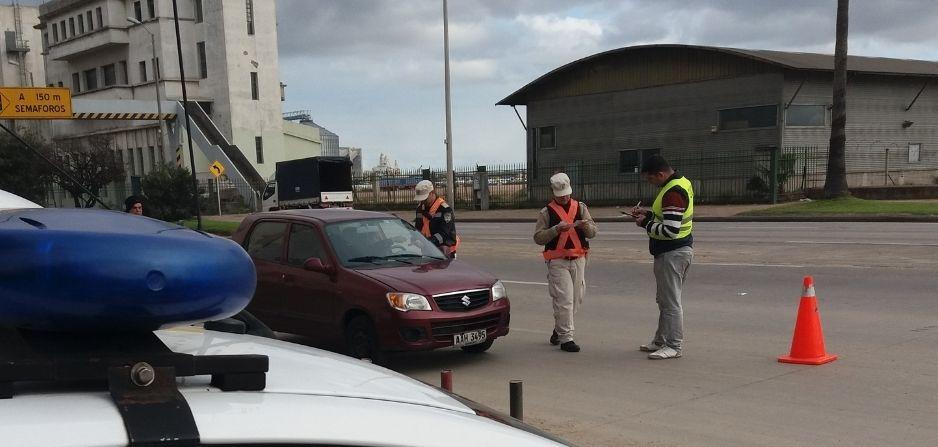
{"x":372,"y":70}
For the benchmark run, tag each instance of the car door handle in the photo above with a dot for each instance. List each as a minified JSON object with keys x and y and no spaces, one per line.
{"x":286,"y":277}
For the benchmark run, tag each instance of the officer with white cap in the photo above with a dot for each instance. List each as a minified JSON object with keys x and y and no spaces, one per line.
{"x":435,"y":219}
{"x":563,"y":227}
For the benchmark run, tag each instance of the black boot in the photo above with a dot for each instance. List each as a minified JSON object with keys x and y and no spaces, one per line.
{"x":554,"y":338}
{"x":570,"y":346}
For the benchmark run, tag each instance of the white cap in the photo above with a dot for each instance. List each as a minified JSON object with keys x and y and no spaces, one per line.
{"x":560,"y":183}
{"x":422,"y":190}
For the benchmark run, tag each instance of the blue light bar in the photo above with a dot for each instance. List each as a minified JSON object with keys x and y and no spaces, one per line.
{"x":106,"y":271}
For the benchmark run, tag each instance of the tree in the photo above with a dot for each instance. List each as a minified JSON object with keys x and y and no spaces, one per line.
{"x":168,"y":191}
{"x":835,"y":184}
{"x":92,"y":163}
{"x":21,"y":171}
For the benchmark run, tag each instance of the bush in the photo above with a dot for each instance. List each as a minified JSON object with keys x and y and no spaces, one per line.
{"x":168,"y":192}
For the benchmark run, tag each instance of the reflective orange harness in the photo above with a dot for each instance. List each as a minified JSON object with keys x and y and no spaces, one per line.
{"x":568,"y":237}
{"x":425,"y":229}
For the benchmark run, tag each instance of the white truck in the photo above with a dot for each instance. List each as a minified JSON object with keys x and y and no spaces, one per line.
{"x":314,"y":182}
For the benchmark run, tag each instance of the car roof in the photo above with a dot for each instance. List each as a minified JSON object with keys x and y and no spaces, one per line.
{"x":312,"y":397}
{"x":329,"y":215}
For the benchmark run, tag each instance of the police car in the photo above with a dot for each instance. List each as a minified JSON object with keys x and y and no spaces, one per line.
{"x":112,"y":352}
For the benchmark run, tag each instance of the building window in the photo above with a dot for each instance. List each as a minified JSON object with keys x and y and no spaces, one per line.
{"x":122,"y":73}
{"x":198,"y":10}
{"x":81,"y":24}
{"x":203,"y":65}
{"x":283,"y":92}
{"x":806,"y":116}
{"x":143,"y":71}
{"x":62,"y":30}
{"x":90,"y":22}
{"x":915,"y":151}
{"x":100,"y":15}
{"x":546,"y":137}
{"x":155,"y":63}
{"x":110,"y":75}
{"x":259,"y":148}
{"x":130,"y":162}
{"x":748,"y":117}
{"x":76,"y":83}
{"x":71,"y":25}
{"x":152,"y":152}
{"x":249,"y":4}
{"x":151,"y":9}
{"x":45,"y":42}
{"x":60,"y":84}
{"x":91,"y":79}
{"x":138,"y":11}
{"x":139,"y":161}
{"x":255,"y":95}
{"x":55,"y":34}
{"x":630,"y":161}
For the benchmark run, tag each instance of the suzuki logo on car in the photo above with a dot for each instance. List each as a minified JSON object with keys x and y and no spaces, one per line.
{"x":466,"y":301}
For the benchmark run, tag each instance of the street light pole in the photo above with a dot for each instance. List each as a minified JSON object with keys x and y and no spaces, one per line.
{"x":156,"y":74}
{"x":185,"y":109}
{"x":450,"y":186}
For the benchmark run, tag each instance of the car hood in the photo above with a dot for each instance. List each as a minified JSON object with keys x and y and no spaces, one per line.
{"x":298,"y":369}
{"x":432,"y":279}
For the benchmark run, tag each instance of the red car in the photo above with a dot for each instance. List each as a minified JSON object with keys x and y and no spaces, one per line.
{"x":369,"y":282}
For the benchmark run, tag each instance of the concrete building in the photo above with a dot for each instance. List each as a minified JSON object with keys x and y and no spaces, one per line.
{"x":297,"y":138}
{"x":691,"y":103}
{"x":229,"y":48}
{"x":21,"y":56}
{"x":355,"y":155}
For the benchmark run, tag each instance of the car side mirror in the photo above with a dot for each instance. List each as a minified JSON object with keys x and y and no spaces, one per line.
{"x":316,"y":265}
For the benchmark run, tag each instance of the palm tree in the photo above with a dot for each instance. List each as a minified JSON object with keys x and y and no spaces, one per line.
{"x":836,"y":182}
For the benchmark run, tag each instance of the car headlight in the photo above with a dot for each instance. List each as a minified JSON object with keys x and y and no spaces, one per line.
{"x":499,"y":291}
{"x":408,"y":301}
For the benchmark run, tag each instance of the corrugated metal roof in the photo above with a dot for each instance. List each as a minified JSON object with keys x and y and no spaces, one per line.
{"x":783,"y":59}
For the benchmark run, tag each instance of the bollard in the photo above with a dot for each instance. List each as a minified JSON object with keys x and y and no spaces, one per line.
{"x":516,"y":399}
{"x":446,"y":379}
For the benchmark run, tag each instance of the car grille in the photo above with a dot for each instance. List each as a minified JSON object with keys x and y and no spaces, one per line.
{"x":454,"y":302}
{"x":445,"y":331}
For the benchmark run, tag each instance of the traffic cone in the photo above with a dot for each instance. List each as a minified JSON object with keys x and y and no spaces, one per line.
{"x":807,"y":343}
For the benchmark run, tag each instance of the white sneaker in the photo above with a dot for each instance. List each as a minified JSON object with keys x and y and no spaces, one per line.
{"x":665,"y":352}
{"x":650,"y":347}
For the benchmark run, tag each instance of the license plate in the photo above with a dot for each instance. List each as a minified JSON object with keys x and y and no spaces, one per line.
{"x":469,"y":338}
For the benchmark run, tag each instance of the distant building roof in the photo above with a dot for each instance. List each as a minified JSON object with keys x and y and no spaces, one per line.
{"x":783,"y":59}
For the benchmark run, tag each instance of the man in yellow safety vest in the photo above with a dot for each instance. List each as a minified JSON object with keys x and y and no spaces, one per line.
{"x":435,"y":219}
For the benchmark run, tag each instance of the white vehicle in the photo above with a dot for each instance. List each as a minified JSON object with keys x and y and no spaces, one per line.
{"x":311,"y":398}
{"x":189,"y":386}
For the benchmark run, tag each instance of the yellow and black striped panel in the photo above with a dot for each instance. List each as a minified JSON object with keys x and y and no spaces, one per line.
{"x":122,"y":116}
{"x":179,"y":156}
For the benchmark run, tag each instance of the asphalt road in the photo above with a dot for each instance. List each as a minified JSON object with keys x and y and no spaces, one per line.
{"x":878,"y":296}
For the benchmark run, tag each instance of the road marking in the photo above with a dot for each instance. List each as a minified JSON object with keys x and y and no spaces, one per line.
{"x":903,"y":244}
{"x":525,"y":282}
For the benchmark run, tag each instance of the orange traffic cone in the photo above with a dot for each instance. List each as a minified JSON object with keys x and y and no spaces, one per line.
{"x":807,"y":344}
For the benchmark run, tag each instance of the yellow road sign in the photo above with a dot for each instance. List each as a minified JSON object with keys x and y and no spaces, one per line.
{"x":217,"y":168}
{"x":33,"y":103}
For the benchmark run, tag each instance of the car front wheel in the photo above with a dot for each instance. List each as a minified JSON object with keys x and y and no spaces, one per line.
{"x":361,"y":340}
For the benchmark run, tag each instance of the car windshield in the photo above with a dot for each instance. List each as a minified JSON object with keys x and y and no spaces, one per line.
{"x":380,"y":243}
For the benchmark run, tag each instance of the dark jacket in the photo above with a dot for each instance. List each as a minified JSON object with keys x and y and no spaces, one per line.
{"x":442,"y":224}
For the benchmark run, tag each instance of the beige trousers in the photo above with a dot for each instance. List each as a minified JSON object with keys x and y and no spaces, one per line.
{"x":566,"y":283}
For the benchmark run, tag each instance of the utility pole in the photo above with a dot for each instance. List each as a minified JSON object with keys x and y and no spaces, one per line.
{"x":156,"y":75}
{"x":835,"y":184}
{"x":185,"y":109}
{"x":450,"y":185}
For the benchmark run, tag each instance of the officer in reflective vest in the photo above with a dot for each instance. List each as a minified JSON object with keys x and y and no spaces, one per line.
{"x":435,"y":219}
{"x":669,"y":225}
{"x":563,"y":227}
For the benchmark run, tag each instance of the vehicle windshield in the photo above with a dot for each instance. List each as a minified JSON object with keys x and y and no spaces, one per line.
{"x":374,"y":243}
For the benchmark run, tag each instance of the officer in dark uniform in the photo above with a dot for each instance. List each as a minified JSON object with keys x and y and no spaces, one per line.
{"x":435,"y":219}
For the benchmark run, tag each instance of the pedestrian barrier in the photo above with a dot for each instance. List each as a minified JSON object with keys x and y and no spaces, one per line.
{"x":807,"y":344}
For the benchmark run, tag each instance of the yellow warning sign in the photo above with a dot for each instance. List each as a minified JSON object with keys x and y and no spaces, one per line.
{"x":33,"y":103}
{"x":217,"y":168}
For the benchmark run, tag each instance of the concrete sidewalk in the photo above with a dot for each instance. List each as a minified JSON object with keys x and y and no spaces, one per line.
{"x":702,"y":213}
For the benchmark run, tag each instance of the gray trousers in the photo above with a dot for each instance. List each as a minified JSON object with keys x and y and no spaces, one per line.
{"x":566,"y":283}
{"x":670,"y":270}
